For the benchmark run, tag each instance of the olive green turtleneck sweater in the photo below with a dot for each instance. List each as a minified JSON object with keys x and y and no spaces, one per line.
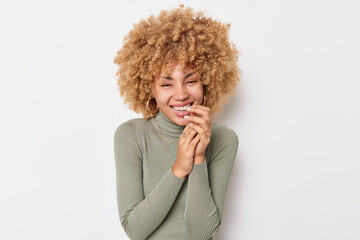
{"x":153,"y":203}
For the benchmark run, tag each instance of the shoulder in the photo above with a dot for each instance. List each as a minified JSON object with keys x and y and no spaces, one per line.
{"x":131,"y":124}
{"x":222,"y":132}
{"x":223,"y":139}
{"x":130,"y":128}
{"x":127,"y":141}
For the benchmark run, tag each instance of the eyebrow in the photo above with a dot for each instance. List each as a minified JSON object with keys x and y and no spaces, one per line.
{"x":187,"y":75}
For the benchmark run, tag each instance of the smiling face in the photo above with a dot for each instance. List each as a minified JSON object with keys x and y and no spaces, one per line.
{"x":176,"y":92}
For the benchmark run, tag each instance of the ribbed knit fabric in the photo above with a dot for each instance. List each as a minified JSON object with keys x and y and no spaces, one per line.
{"x":154,"y":203}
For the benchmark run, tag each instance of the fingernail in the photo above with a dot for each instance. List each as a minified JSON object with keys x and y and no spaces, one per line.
{"x":187,"y":116}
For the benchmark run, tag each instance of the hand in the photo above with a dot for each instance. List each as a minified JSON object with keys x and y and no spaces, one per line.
{"x":185,"y":152}
{"x":199,"y":120}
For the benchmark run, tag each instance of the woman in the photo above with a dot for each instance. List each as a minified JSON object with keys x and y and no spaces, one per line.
{"x":173,"y":165}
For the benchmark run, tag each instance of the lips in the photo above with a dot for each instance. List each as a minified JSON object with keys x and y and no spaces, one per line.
{"x":181,"y":113}
{"x":183,"y":104}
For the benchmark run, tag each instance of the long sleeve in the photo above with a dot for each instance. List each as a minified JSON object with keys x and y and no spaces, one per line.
{"x":139,"y":216}
{"x":208,"y":184}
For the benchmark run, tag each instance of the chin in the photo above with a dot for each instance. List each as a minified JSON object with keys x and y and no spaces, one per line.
{"x":181,"y":123}
{"x":179,"y":120}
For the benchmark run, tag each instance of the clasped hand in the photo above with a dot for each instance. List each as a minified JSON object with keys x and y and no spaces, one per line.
{"x":196,"y":135}
{"x":199,"y":121}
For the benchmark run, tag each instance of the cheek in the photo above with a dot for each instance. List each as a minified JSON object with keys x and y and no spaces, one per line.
{"x":163,"y":97}
{"x":197,"y":92}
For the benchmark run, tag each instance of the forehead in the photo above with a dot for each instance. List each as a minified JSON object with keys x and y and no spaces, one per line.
{"x":169,"y":71}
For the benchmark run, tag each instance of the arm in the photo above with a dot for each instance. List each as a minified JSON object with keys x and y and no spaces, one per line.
{"x":139,"y":216}
{"x":208,"y":184}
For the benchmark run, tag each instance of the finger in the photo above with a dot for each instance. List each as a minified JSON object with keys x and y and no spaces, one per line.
{"x":190,"y":131}
{"x":184,"y":133}
{"x":204,"y":123}
{"x":201,"y":107}
{"x":193,"y":106}
{"x":192,"y":113}
{"x":195,"y":141}
{"x":201,"y":111}
{"x":197,"y":110}
{"x":188,"y":135}
{"x":199,"y":129}
{"x":205,"y":135}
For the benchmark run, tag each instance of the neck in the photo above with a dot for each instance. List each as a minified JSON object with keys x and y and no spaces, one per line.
{"x":168,"y":128}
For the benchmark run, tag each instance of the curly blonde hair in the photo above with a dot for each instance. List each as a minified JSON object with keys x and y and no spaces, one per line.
{"x":178,"y":35}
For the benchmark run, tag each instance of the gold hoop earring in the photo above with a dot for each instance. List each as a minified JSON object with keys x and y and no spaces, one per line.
{"x":204,"y":100}
{"x":147,"y":106}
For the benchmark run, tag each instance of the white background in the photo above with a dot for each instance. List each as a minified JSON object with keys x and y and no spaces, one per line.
{"x":296,"y":112}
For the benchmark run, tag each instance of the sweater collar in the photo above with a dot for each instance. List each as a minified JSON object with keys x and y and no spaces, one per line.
{"x":167,"y":127}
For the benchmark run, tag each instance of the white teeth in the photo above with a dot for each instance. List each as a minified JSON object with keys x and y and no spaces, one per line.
{"x":181,"y":108}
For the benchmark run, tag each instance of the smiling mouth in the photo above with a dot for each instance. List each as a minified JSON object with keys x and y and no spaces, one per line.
{"x":182,"y":109}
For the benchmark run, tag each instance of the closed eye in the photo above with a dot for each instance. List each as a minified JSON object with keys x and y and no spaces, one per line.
{"x":166,"y":85}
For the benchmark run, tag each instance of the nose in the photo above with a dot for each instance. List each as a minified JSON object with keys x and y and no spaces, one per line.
{"x":181,"y":93}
